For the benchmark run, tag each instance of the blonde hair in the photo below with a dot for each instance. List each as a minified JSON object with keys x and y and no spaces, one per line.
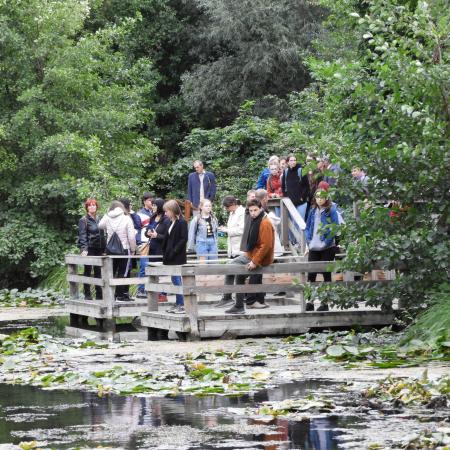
{"x":173,"y":207}
{"x":202,"y":203}
{"x":272,"y":159}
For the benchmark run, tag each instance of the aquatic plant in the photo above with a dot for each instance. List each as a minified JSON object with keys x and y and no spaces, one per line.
{"x":422,"y":391}
{"x":31,"y":298}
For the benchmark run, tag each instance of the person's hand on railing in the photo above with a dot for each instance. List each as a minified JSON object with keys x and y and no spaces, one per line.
{"x":251,"y":266}
{"x":84,"y":253}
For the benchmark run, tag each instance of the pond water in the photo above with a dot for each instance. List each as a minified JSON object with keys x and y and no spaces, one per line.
{"x":67,"y":419}
{"x":54,"y":326}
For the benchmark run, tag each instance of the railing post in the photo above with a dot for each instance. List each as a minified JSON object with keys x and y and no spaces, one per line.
{"x":109,"y":324}
{"x":302,"y":242}
{"x":191,"y":307}
{"x":284,"y":225}
{"x":74,"y":291}
{"x":152,"y":295}
{"x":303,"y":279}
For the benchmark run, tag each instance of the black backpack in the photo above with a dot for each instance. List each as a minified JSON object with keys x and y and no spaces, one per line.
{"x":114,"y":245}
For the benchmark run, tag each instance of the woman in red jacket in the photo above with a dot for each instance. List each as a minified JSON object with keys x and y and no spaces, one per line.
{"x":274,"y":189}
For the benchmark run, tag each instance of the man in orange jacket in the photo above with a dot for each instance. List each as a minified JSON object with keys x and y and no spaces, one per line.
{"x":259,"y":252}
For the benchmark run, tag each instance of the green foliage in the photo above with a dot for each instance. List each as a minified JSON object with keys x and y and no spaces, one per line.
{"x":248,"y":50}
{"x":382,"y":104}
{"x":56,"y":279}
{"x":20,"y":341}
{"x":237,"y":153}
{"x":72,"y":107}
{"x":433,"y":325}
{"x":375,"y":349}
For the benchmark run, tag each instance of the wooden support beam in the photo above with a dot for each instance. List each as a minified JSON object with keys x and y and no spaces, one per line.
{"x":168,"y":288}
{"x":127,"y":281}
{"x":153,"y":293}
{"x":84,"y":260}
{"x":159,"y":269}
{"x":108,"y":290}
{"x":191,"y":307}
{"x":74,"y":292}
{"x":86,"y":280}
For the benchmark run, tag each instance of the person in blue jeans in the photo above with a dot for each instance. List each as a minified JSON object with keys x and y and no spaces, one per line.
{"x":144,"y":214}
{"x":174,"y":247}
{"x":295,"y":186}
{"x":203,"y":233}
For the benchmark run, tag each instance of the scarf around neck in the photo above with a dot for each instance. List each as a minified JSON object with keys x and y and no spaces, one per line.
{"x":253,"y":231}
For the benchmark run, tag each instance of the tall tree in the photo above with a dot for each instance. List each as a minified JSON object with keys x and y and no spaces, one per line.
{"x":72,"y":110}
{"x":248,"y":49}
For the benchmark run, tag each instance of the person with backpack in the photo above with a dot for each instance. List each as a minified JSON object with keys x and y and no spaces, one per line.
{"x":320,"y":234}
{"x":295,"y":186}
{"x":121,"y":242}
{"x":91,"y":242}
{"x":203,"y":233}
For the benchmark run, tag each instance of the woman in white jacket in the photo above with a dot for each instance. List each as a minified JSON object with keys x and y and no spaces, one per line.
{"x":235,"y":225}
{"x":116,"y":221}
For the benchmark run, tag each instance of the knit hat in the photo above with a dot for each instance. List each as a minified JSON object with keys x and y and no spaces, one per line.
{"x":324,"y":186}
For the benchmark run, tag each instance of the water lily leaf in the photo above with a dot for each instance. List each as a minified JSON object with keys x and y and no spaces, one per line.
{"x":336,"y":351}
{"x":351,"y":349}
{"x":260,"y":376}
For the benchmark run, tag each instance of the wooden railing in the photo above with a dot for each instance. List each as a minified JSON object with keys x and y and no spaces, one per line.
{"x":291,"y":223}
{"x":190,"y":289}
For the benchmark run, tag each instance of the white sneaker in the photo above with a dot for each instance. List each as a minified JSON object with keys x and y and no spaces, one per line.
{"x":179,"y":310}
{"x":257,"y":305}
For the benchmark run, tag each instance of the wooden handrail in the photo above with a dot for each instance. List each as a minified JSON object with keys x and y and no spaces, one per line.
{"x":293,"y":212}
{"x":235,"y":269}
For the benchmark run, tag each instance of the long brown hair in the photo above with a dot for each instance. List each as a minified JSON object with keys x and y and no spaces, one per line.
{"x":173,"y":207}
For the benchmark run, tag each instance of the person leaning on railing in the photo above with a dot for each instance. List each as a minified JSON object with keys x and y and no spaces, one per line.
{"x":259,"y":253}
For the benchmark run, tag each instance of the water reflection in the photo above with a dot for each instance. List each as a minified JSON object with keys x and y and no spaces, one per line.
{"x":67,"y":419}
{"x":54,"y":326}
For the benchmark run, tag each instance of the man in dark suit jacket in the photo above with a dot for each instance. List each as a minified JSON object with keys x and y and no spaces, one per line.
{"x":201,"y":185}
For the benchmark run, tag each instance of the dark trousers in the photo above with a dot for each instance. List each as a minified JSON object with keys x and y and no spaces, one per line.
{"x":97,"y":274}
{"x":327,"y":254}
{"x":121,"y":269}
{"x":238,"y":279}
{"x":256,"y":278}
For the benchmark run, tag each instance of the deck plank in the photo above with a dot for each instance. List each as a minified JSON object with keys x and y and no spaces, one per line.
{"x":278,"y":320}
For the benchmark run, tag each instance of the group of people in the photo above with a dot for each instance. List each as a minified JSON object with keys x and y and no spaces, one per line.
{"x":159,"y":230}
